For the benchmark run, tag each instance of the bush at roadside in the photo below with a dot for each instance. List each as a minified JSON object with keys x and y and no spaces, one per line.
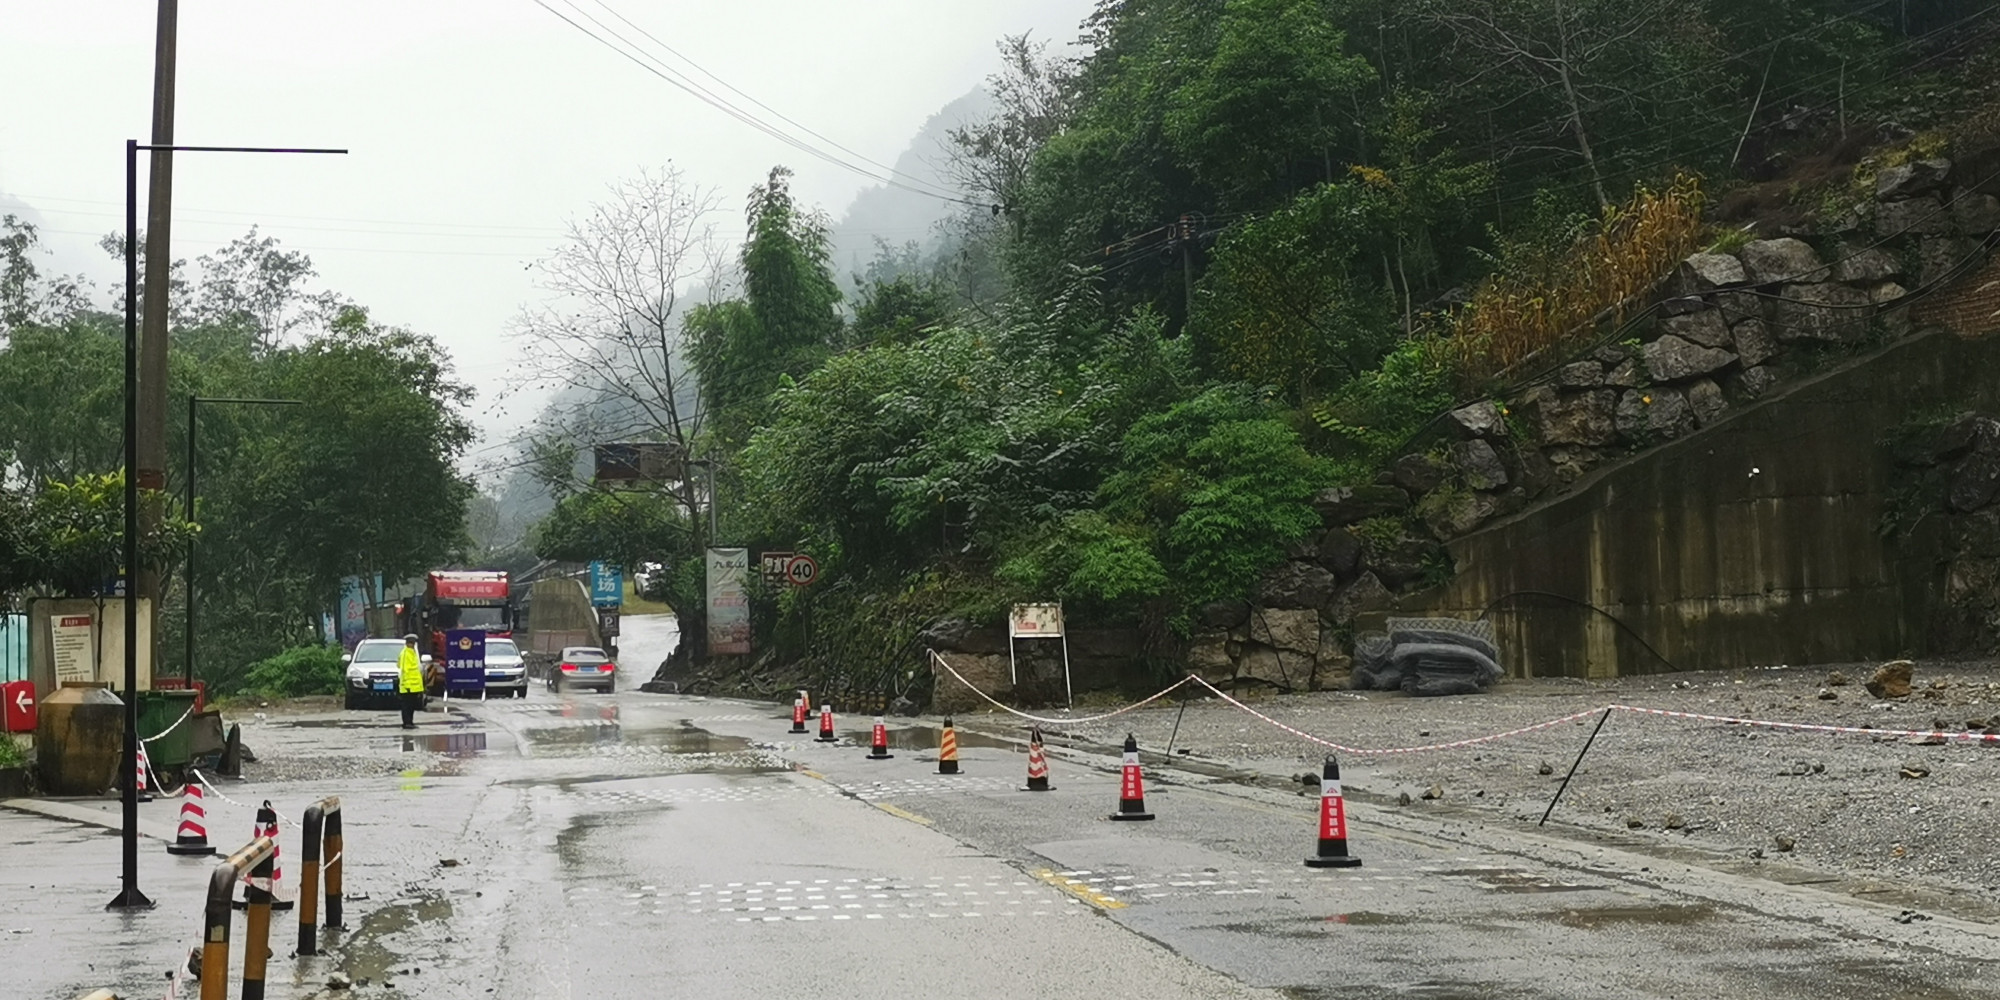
{"x":302,"y":670}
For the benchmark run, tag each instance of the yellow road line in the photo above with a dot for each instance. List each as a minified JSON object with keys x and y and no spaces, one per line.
{"x":902,"y":813}
{"x":1079,"y":889}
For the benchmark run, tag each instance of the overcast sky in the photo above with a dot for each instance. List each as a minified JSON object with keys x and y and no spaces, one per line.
{"x":477,"y":126}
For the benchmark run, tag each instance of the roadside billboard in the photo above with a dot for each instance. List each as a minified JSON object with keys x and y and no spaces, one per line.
{"x":728,"y":601}
{"x":353,"y":612}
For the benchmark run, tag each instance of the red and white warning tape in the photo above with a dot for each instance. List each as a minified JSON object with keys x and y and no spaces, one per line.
{"x":1048,"y":720}
{"x":1959,"y":737}
{"x":177,"y":724}
{"x":1364,"y":751}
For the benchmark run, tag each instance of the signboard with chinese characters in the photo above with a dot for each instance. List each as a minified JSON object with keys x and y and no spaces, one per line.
{"x":465,"y":661}
{"x":607,"y":585}
{"x":1035,"y":621}
{"x":73,"y":644}
{"x":728,"y":601}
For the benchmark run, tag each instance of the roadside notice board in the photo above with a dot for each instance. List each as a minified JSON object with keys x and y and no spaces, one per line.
{"x":72,"y":643}
{"x":465,"y":661}
{"x":607,"y":623}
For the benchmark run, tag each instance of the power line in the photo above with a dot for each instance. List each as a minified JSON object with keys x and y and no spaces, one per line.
{"x":780,"y":115}
{"x":659,"y":69}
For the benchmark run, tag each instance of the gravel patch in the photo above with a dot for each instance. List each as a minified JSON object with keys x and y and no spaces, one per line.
{"x":1886,"y":807}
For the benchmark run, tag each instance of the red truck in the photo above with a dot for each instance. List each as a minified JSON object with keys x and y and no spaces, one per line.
{"x":458,"y":599}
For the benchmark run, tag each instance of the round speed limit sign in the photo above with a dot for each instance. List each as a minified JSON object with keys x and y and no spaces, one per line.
{"x":801,"y":570}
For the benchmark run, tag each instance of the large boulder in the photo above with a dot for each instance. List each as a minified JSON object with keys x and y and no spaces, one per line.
{"x":1705,"y":328}
{"x":1624,"y":375}
{"x":1294,"y":631}
{"x":1419,"y":473}
{"x":1754,"y":343}
{"x":1739,"y":306}
{"x":1481,"y":419}
{"x":1223,"y":614}
{"x":1366,"y":593}
{"x":1705,"y":271}
{"x":1208,"y":655}
{"x":960,"y":635}
{"x":1975,"y":482}
{"x":1925,"y":216}
{"x":1586,"y":374}
{"x":1574,"y":418}
{"x":1705,"y":398}
{"x":1670,"y":359}
{"x":1296,"y":585}
{"x":1344,"y":505}
{"x":1975,"y":214}
{"x":1401,"y":560}
{"x":1828,"y":312}
{"x":1479,"y":465}
{"x":1784,"y":259}
{"x":1340,"y":553}
{"x":1865,"y":267}
{"x":989,"y":672}
{"x":1941,"y":258}
{"x":1891,"y":680}
{"x":1458,"y":514}
{"x":1755,"y":382}
{"x":1905,"y":180}
{"x":1655,"y":414}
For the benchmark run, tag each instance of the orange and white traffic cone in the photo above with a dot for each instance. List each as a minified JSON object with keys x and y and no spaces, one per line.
{"x":805,"y":699}
{"x":140,"y":765}
{"x":878,"y":747}
{"x":1038,"y":765}
{"x":1132,"y":787}
{"x":1332,"y":823}
{"x":948,"y":749}
{"x":798,"y":715}
{"x":826,"y":734}
{"x":266,"y":825}
{"x":192,"y":837}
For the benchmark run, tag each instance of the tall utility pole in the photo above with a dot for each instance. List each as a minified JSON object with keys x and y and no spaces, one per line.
{"x":1186,"y":230}
{"x":150,"y":470}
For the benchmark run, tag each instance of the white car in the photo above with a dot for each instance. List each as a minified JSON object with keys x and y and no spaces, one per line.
{"x":506,"y":674}
{"x":372,"y":672}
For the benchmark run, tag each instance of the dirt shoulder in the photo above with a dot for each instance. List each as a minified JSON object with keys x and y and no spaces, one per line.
{"x":1894,"y":808}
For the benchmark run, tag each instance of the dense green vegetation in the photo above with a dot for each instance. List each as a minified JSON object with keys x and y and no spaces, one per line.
{"x":1237,"y":251}
{"x":358,"y":477}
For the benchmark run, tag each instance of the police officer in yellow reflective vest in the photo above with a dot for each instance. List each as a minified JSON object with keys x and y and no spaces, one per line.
{"x":410,"y":681}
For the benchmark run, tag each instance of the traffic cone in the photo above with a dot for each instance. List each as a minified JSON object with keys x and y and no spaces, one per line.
{"x":139,"y":768}
{"x":948,"y":749}
{"x":805,"y":698}
{"x":1132,"y":788}
{"x":798,"y":715}
{"x":1332,"y":823}
{"x":1038,"y":765}
{"x":826,"y":725}
{"x":878,"y":747}
{"x":266,"y":825}
{"x":192,"y":838}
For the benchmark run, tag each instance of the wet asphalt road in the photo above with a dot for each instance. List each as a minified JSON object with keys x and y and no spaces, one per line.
{"x":653,"y":845}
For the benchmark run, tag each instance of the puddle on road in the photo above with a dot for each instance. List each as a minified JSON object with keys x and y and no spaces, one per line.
{"x":1600,"y":917}
{"x":449,"y":744}
{"x":387,"y":939}
{"x":1515,"y":880}
{"x":685,"y":740}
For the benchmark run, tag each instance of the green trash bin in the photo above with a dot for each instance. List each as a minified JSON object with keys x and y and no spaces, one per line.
{"x":158,"y":713}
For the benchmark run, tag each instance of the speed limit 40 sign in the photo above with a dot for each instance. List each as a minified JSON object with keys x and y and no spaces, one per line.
{"x":793,"y":568}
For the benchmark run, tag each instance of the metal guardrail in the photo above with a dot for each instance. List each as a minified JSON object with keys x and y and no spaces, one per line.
{"x":322,"y":838}
{"x":253,"y":860}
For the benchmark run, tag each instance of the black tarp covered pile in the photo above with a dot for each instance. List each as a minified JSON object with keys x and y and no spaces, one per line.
{"x":1427,"y":657}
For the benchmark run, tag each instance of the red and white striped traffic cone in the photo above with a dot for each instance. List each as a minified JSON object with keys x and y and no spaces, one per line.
{"x":826,"y":733}
{"x":948,"y":749}
{"x":798,"y":715}
{"x":192,"y":837}
{"x":1332,"y":823}
{"x":266,"y":825}
{"x":805,"y":698}
{"x":878,"y":746}
{"x":1132,"y":787}
{"x":1038,"y":765}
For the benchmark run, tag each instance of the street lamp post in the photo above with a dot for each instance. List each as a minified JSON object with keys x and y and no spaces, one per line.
{"x":129,"y":897}
{"x":194,"y":404}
